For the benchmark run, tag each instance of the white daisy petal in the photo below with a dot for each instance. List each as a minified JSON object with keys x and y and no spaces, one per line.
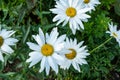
{"x":76,"y":56}
{"x":53,"y":64}
{"x":90,"y":4}
{"x":5,"y":34}
{"x":46,"y":51}
{"x":42,"y":37}
{"x":10,"y":41}
{"x":6,"y":41}
{"x":75,"y":3}
{"x":53,"y":36}
{"x":65,"y":51}
{"x":34,"y":59}
{"x":1,"y":57}
{"x":56,"y":18}
{"x":47,"y":68}
{"x":76,"y":66}
{"x":114,"y":32}
{"x":38,"y":40}
{"x":43,"y":62}
{"x":63,"y":2}
{"x":6,"y":48}
{"x":65,"y":21}
{"x":70,"y":2}
{"x":33,"y":46}
{"x":63,"y":10}
{"x":58,"y":57}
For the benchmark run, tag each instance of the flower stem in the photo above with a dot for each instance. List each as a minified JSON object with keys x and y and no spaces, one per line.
{"x":100,"y":45}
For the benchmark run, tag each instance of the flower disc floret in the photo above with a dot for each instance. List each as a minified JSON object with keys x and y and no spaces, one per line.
{"x":71,"y":55}
{"x":47,"y":50}
{"x":86,"y":1}
{"x":115,"y":35}
{"x":71,"y":12}
{"x":1,"y":41}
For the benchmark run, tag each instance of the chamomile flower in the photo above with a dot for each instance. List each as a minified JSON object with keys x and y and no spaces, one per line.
{"x":46,"y":50}
{"x":72,"y":12}
{"x":5,"y":42}
{"x":91,"y":3}
{"x":114,"y":32}
{"x":77,"y":55}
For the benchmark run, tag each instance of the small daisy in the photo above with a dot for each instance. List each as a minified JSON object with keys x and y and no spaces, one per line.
{"x":77,"y":55}
{"x":114,"y":32}
{"x":46,"y":50}
{"x":70,"y":11}
{"x":91,"y":3}
{"x":5,"y":42}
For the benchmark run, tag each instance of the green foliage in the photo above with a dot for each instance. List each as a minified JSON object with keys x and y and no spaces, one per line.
{"x":26,"y":16}
{"x":117,"y":7}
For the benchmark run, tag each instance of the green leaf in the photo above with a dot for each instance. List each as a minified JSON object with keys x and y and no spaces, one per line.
{"x":117,"y":7}
{"x":31,"y":3}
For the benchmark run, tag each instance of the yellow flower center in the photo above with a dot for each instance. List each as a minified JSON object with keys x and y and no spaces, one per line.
{"x":114,"y":34}
{"x":71,"y":55}
{"x":86,"y":1}
{"x":47,"y":50}
{"x":1,"y":41}
{"x":71,"y":12}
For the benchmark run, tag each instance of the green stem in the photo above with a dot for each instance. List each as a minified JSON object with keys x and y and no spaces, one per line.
{"x":100,"y":45}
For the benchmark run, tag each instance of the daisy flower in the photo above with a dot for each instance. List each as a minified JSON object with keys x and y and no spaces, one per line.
{"x":114,"y":32}
{"x":72,"y":12}
{"x":91,"y":3}
{"x":5,"y":42}
{"x":77,"y":55}
{"x":46,"y":50}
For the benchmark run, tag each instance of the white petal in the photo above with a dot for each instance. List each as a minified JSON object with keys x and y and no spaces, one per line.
{"x":80,"y":43}
{"x":75,"y":3}
{"x":57,"y":57}
{"x":64,"y":51}
{"x":60,"y":21}
{"x":5,"y":34}
{"x":60,"y":6}
{"x":71,"y":27}
{"x":10,"y":41}
{"x":81,"y":49}
{"x":66,"y":21}
{"x":85,"y":16}
{"x":66,"y":64}
{"x":6,"y":48}
{"x":81,"y":24}
{"x":53,"y":64}
{"x":56,"y":18}
{"x":83,"y":61}
{"x":47,"y":68}
{"x":1,"y":57}
{"x":70,"y":2}
{"x":108,"y":32}
{"x":64,"y":3}
{"x":76,"y":66}
{"x":38,"y":39}
{"x":61,"y":38}
{"x":42,"y":65}
{"x":42,"y":37}
{"x":84,"y":10}
{"x":33,"y":46}
{"x":53,"y":36}
{"x":59,"y":44}
{"x":47,"y":37}
{"x":34,"y":59}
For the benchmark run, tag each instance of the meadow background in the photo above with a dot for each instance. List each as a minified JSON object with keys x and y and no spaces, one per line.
{"x":26,"y":16}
